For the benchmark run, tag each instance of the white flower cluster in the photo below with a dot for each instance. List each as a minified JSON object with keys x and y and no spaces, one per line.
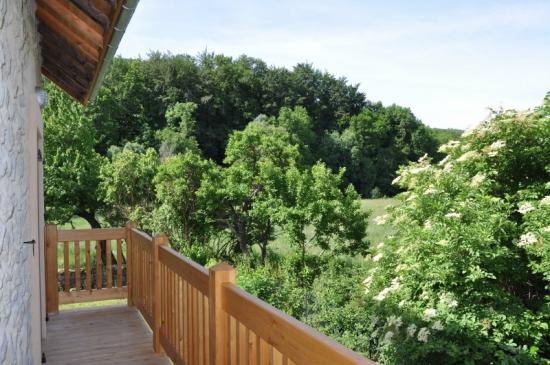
{"x":387,"y":337}
{"x":418,"y":170}
{"x":545,"y":200}
{"x":527,"y":239}
{"x":477,"y":180}
{"x":470,"y":155}
{"x":381,"y":219}
{"x":495,"y":147}
{"x":525,"y":208}
{"x":378,"y":257}
{"x":437,"y":325}
{"x":423,"y":334}
{"x":396,"y":180}
{"x":429,"y":313}
{"x":546,"y":229}
{"x":447,"y":147}
{"x":430,"y":190}
{"x":394,"y":321}
{"x":424,"y":158}
{"x":428,"y":225}
{"x":411,"y":330}
{"x":453,"y":215}
{"x":393,"y":287}
{"x":446,"y":299}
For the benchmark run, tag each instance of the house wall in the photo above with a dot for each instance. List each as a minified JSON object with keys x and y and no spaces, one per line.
{"x":20,"y":126}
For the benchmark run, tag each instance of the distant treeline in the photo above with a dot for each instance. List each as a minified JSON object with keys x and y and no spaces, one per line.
{"x":370,"y":140}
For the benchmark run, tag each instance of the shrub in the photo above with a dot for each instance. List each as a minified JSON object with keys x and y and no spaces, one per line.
{"x":466,"y":277}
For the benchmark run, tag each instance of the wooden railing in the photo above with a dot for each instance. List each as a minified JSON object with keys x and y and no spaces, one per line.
{"x":89,"y":278}
{"x":199,"y":316}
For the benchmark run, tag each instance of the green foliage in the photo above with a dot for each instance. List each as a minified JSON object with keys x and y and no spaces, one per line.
{"x":465,"y":277}
{"x":179,"y":135}
{"x":165,"y":100}
{"x":127,"y":186}
{"x":444,"y":135}
{"x":180,"y":214}
{"x":245,"y":196}
{"x":374,"y":144}
{"x":71,"y":165}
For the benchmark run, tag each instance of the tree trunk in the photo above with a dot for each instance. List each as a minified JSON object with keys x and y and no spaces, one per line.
{"x":90,"y":218}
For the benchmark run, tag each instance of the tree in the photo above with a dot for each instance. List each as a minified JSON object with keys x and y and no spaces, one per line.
{"x":245,"y":195}
{"x":71,"y":165}
{"x":466,"y":273}
{"x":127,"y":188}
{"x":376,"y":144}
{"x":180,"y":214}
{"x":316,"y":212}
{"x":179,"y":134}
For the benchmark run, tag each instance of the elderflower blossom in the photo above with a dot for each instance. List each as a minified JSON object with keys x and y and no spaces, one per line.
{"x":470,"y":155}
{"x":381,"y":220}
{"x":477,"y":180}
{"x":444,"y":161}
{"x":423,"y":334}
{"x":437,"y":325}
{"x":387,"y":337}
{"x":377,"y":257}
{"x":525,"y":208}
{"x":380,"y":245}
{"x":429,"y":191}
{"x":382,"y":295}
{"x":429,"y":313}
{"x":546,"y":229}
{"x":396,"y":180}
{"x":393,"y":287}
{"x":428,"y":225}
{"x":453,"y":215}
{"x":395,"y":321}
{"x":411,"y":197}
{"x":418,"y":170}
{"x":446,"y":299}
{"x":423,"y":158}
{"x":402,"y":303}
{"x":411,"y":330}
{"x":497,"y":145}
{"x":448,"y":167}
{"x":527,"y":239}
{"x":545,"y":200}
{"x":448,"y":146}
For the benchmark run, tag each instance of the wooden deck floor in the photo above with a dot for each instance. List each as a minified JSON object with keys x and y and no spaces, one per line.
{"x":105,"y":335}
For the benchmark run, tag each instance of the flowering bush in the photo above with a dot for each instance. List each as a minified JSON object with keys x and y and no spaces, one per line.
{"x":466,"y":277}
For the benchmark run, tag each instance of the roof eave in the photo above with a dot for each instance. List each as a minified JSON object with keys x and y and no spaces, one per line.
{"x":118,"y":32}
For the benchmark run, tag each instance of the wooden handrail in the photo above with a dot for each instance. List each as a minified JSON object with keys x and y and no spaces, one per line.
{"x":73,"y":288}
{"x":198,"y":316}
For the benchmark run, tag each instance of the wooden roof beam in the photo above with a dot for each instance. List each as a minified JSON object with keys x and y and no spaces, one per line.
{"x":72,"y":89}
{"x":65,"y":30}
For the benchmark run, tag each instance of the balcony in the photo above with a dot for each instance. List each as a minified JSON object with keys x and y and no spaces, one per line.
{"x":177,"y":311}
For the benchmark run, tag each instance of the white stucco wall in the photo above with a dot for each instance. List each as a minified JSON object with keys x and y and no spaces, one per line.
{"x":19,"y":126}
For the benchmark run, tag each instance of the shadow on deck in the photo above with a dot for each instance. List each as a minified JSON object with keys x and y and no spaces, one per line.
{"x":104,"y":335}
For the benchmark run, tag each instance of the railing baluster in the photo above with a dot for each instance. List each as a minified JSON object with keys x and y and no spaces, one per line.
{"x":66,"y":271}
{"x":98,"y":266}
{"x":88,"y":266}
{"x":109,"y":264}
{"x":77,"y":282}
{"x":119,"y":263}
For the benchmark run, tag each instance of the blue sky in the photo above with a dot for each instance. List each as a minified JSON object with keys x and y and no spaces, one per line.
{"x":446,"y":60}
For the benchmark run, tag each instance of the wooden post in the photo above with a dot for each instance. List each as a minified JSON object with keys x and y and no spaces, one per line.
{"x":52,"y":295}
{"x":129,"y":262}
{"x":158,"y":240}
{"x":220,"y":274}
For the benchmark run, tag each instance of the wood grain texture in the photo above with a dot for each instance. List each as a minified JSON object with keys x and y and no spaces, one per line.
{"x":106,"y":335}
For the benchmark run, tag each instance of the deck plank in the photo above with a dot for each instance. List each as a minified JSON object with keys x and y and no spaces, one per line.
{"x":105,"y":335}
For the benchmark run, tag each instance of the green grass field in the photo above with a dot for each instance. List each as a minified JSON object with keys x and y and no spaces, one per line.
{"x":375,"y":233}
{"x":80,"y":223}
